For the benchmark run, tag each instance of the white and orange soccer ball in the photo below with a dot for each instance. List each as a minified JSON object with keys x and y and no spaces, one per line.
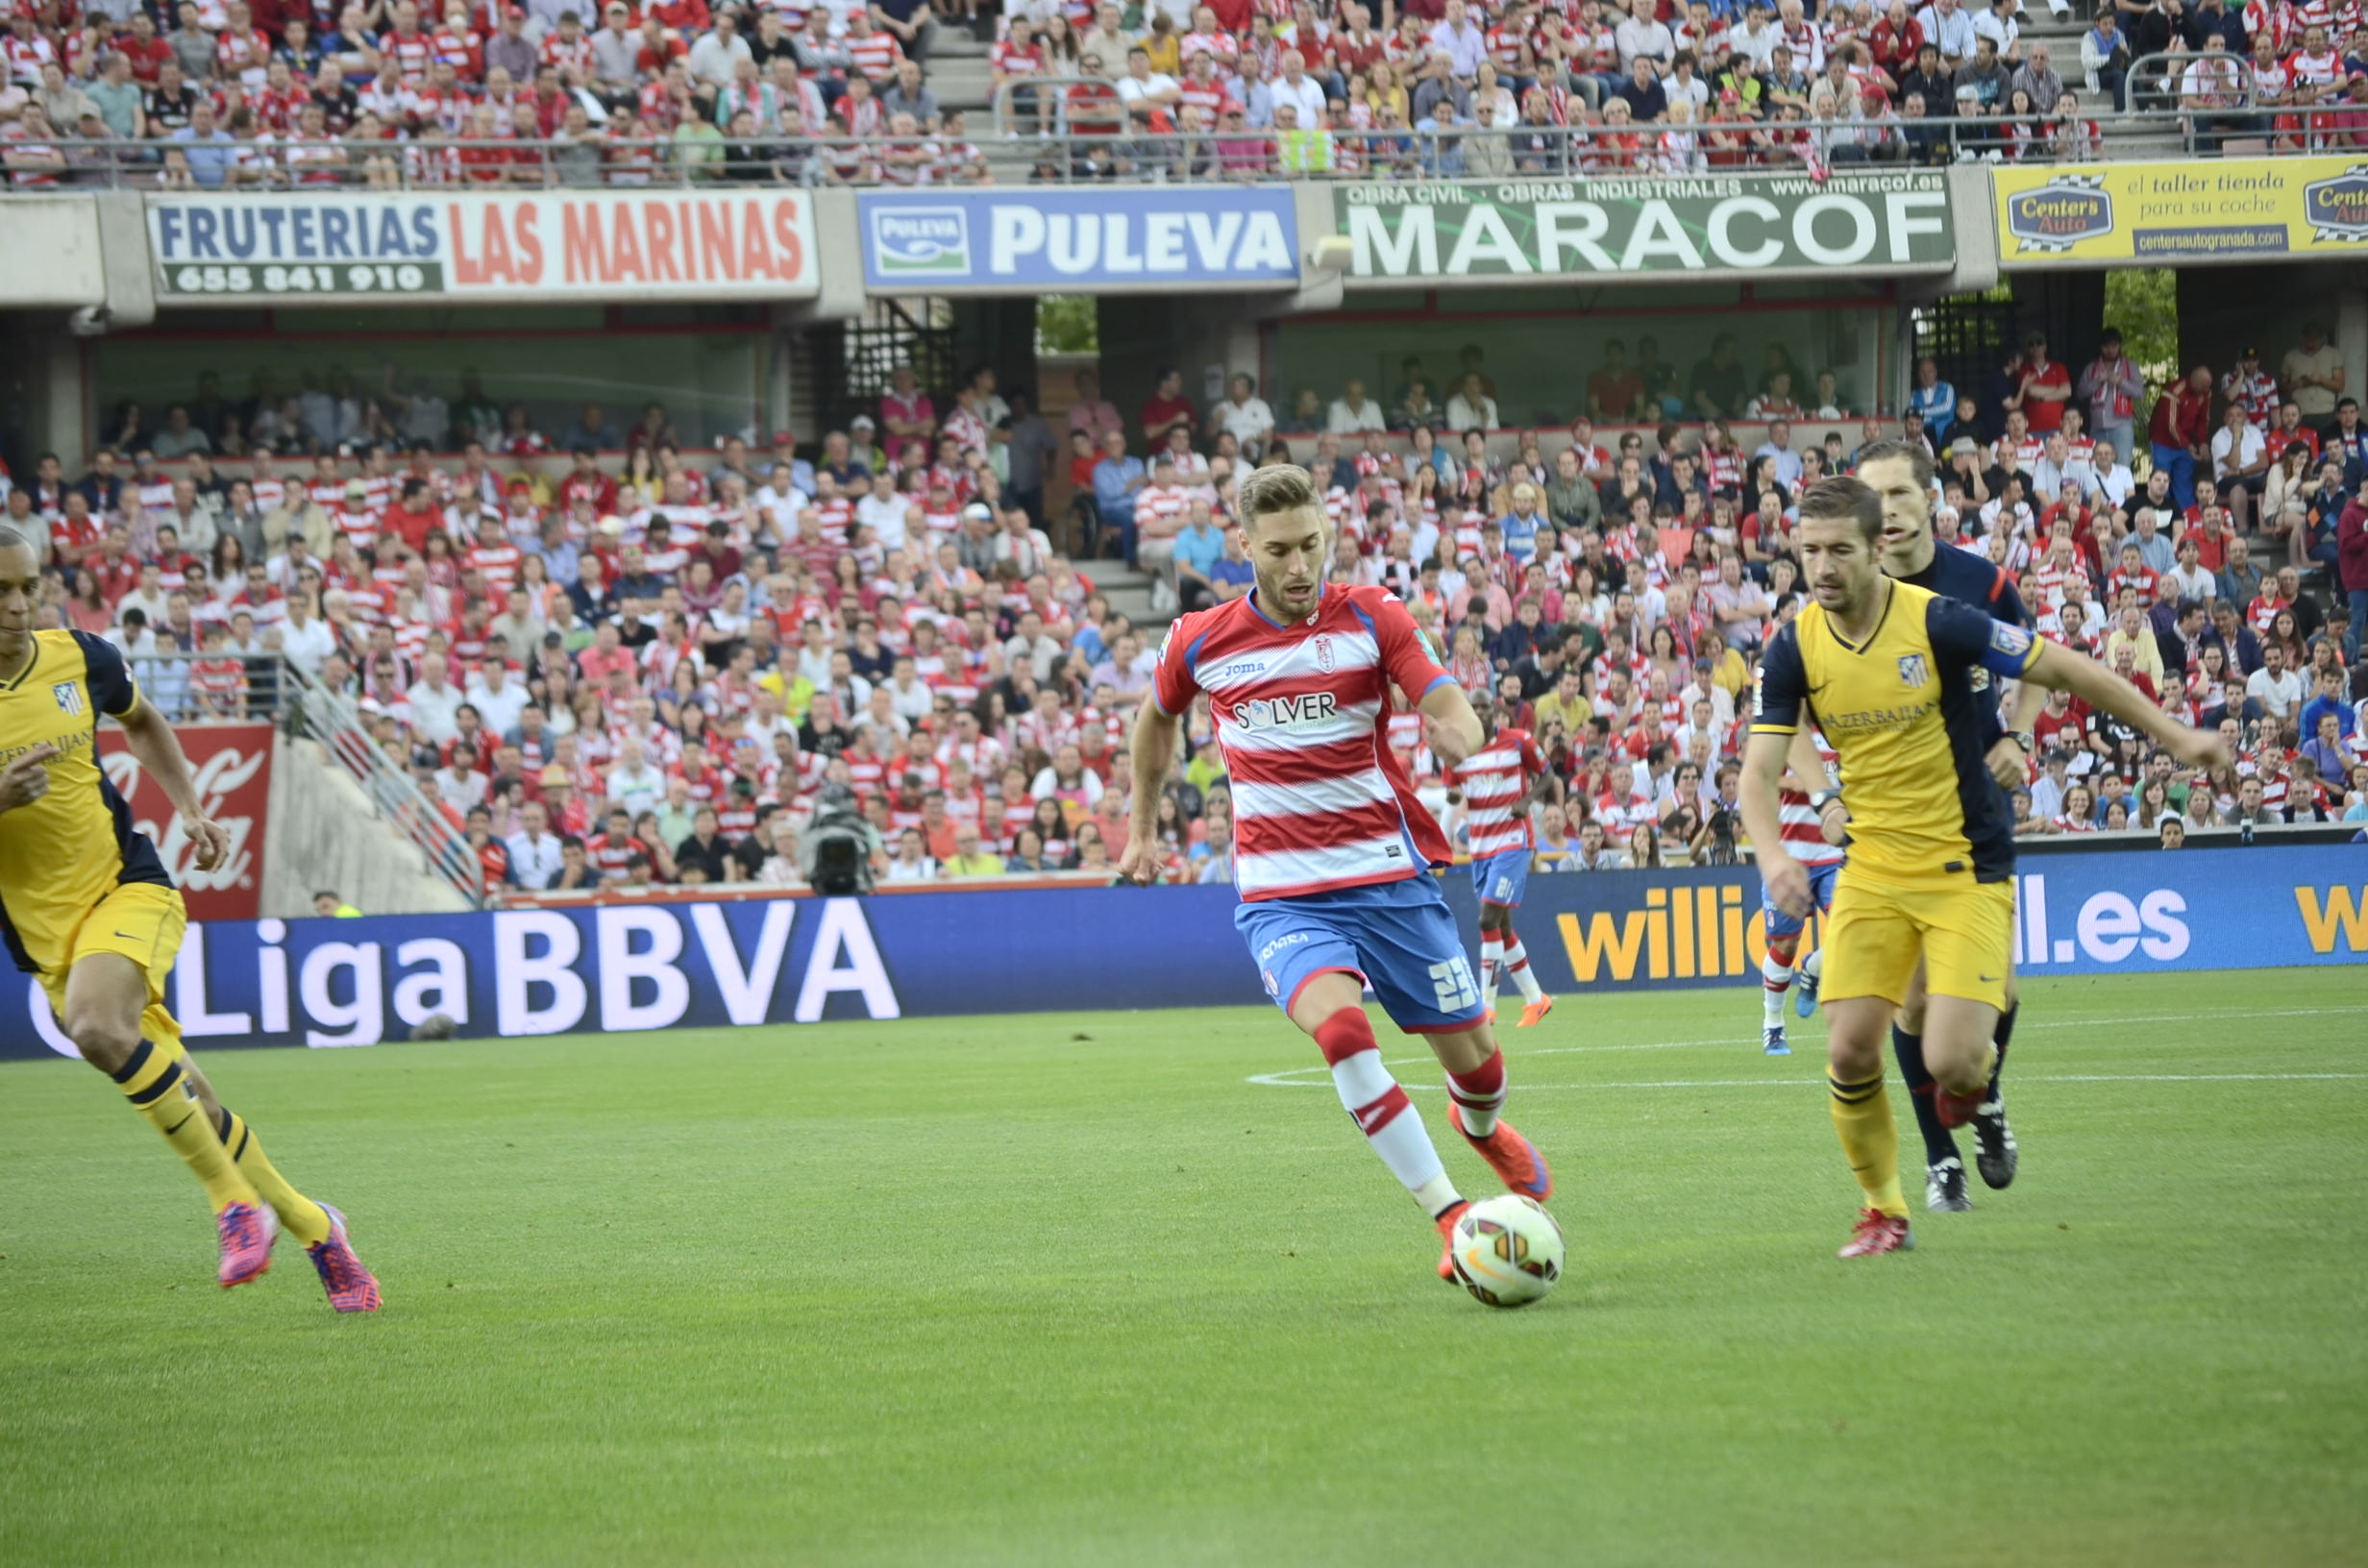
{"x":1508,"y":1250}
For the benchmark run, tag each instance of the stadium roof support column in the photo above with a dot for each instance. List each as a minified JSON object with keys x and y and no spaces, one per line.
{"x":123,"y":253}
{"x":838,"y":255}
{"x":2351,"y":328}
{"x":1972,"y":201}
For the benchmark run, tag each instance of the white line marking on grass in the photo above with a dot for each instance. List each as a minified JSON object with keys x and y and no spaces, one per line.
{"x":1296,"y":1077}
{"x":1277,"y":1080}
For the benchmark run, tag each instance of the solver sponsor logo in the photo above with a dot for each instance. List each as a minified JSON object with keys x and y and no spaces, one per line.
{"x":921,"y":242}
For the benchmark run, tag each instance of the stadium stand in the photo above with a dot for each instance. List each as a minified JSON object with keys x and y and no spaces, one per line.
{"x":267,"y":94}
{"x":645,"y":664}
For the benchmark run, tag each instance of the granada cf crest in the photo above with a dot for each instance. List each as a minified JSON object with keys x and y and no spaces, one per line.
{"x":1912,"y":670}
{"x":2337,"y":209}
{"x":1323,"y":652}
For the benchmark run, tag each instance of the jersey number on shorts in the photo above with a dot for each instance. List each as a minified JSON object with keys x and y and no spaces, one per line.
{"x":1454,"y":982}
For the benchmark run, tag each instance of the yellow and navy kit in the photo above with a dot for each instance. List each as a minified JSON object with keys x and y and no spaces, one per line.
{"x":1959,"y":573}
{"x":73,"y":847}
{"x":1911,"y":725}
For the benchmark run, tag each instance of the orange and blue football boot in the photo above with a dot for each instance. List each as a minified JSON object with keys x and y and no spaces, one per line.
{"x":1516,"y":1162}
{"x":1446,"y":1237}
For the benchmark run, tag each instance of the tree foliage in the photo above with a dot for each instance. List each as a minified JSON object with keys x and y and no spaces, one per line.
{"x":2143,"y":302}
{"x":1068,"y":324}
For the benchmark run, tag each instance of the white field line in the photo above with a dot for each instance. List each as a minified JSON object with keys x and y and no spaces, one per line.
{"x":1299,"y":1077}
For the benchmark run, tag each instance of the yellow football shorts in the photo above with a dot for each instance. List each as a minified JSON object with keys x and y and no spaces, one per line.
{"x":1963,"y":930}
{"x":142,"y":921}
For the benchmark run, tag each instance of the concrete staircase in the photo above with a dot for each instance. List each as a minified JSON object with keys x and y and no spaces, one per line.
{"x":2157,"y":136}
{"x":1129,"y":592}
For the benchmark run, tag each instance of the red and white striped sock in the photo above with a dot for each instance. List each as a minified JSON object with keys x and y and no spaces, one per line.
{"x":1517,"y":962}
{"x":1381,"y":1109}
{"x":1491,"y":954}
{"x":1775,"y":979}
{"x":1480,"y":1095}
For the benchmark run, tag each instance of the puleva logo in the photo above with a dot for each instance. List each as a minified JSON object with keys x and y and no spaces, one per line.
{"x":2061,"y":213}
{"x":2337,"y":209}
{"x":921,"y":242}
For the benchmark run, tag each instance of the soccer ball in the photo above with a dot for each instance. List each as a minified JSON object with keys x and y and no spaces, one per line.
{"x":1508,"y":1250}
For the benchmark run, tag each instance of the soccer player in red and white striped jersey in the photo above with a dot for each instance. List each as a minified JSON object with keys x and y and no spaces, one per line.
{"x":1493,"y":785}
{"x":1332,"y":849}
{"x":1799,"y":808}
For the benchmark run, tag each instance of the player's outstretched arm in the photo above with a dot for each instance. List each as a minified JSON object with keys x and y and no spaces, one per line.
{"x":1764,"y":767}
{"x":1153,"y":749}
{"x":158,"y":748}
{"x":1448,"y":725}
{"x":2062,"y":670}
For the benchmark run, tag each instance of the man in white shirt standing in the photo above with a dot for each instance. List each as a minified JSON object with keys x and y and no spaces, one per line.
{"x":1462,"y":42}
{"x":434,"y":700}
{"x":1643,"y":35}
{"x":632,"y":783}
{"x":305,"y":637}
{"x":1301,"y":90}
{"x":1948,"y":29}
{"x":884,"y":511}
{"x":535,"y":857}
{"x":498,"y":700}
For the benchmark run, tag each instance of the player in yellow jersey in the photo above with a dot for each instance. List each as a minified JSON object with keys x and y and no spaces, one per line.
{"x":86,"y":904}
{"x":1885,"y":670}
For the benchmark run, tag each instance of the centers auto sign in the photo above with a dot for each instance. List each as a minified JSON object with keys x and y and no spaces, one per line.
{"x":2232,"y":209}
{"x":544,"y":244}
{"x":1879,"y":224}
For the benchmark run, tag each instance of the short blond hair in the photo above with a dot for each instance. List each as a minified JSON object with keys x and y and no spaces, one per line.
{"x":1278,"y":487}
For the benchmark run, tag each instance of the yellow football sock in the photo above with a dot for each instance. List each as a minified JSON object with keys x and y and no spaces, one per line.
{"x":1870,"y":1138}
{"x":299,"y":1216}
{"x":160,"y":1090}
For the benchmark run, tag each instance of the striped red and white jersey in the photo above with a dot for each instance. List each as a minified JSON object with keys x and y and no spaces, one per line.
{"x":1494,"y":783}
{"x":1804,"y":835}
{"x":1319,"y":802}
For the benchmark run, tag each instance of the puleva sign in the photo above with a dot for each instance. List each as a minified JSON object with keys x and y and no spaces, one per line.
{"x":1752,"y":224}
{"x":660,"y":244}
{"x":1106,"y":237}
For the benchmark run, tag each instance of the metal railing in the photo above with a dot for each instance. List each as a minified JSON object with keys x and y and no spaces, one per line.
{"x":1229,"y":154}
{"x":330,"y":719}
{"x":184,"y":684}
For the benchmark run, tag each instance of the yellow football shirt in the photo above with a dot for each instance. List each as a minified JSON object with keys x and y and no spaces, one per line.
{"x":1904,"y":714}
{"x":64,"y":852}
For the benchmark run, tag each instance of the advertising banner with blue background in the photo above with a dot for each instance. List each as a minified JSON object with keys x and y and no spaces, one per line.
{"x":357,"y":982}
{"x":1108,"y":237}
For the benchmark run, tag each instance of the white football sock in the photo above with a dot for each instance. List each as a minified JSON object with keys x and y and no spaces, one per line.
{"x":1775,"y":979}
{"x":1517,"y":960}
{"x":1394,"y":1127}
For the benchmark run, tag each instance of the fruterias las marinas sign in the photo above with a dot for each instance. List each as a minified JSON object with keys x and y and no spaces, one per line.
{"x":1881,"y":223}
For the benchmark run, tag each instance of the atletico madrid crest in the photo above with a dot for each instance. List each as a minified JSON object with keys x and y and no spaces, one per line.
{"x":70,"y":696}
{"x":1323,"y":652}
{"x":1912,"y":669}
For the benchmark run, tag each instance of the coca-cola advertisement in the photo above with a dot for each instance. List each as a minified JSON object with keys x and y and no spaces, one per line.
{"x":232,"y":765}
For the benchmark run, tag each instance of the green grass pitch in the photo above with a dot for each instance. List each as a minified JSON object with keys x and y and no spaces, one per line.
{"x":1077,"y":1289}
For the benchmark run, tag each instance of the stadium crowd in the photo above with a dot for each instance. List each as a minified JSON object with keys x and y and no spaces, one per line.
{"x":217,"y":94}
{"x":668,"y":670}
